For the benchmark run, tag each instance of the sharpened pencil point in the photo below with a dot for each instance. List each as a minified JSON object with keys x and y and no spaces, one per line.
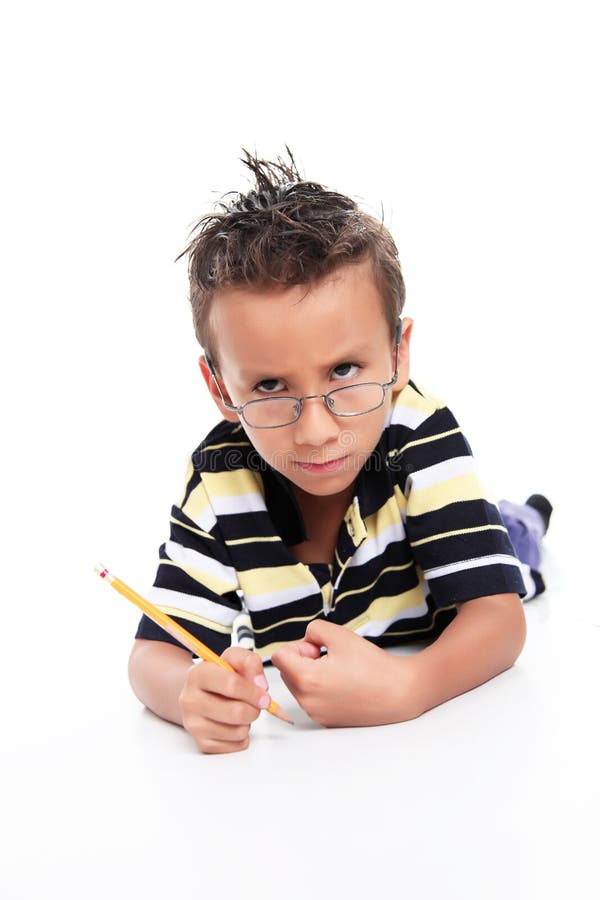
{"x":277,"y":711}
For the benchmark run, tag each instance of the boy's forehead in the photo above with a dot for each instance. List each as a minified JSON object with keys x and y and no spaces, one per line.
{"x":251,"y":364}
{"x":341,"y":311}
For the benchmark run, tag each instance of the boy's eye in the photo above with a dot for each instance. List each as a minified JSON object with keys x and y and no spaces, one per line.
{"x":269,"y":385}
{"x":344,"y":370}
{"x":273,"y":385}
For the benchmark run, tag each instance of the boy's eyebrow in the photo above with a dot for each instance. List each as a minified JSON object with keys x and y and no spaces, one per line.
{"x":344,"y":356}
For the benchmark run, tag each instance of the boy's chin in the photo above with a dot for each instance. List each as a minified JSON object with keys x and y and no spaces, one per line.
{"x":322,"y":485}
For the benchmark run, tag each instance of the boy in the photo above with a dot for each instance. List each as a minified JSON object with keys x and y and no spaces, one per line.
{"x":336,"y":505}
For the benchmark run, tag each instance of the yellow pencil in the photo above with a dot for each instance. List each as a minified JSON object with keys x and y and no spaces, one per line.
{"x":176,"y":631}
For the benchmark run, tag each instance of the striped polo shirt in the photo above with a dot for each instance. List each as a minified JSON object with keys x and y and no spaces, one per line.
{"x":419,"y":537}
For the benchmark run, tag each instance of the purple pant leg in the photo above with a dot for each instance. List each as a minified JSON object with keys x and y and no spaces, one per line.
{"x":526,"y":529}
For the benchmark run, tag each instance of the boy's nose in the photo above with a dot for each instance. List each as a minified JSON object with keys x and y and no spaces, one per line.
{"x":316,"y":425}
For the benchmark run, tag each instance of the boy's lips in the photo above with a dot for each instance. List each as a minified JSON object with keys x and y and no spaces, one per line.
{"x":329,"y":465}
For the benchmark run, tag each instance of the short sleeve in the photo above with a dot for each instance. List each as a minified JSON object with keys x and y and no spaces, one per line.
{"x":455,"y":532}
{"x":195,"y":582}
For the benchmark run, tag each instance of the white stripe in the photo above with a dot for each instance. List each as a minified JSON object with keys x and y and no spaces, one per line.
{"x":443,"y":471}
{"x":529,"y":582}
{"x":375,"y":627}
{"x":201,"y":606}
{"x":465,"y":564}
{"x":403,"y":415}
{"x":279,"y":598}
{"x":378,"y":544}
{"x":201,"y":563}
{"x":238,"y":503}
{"x":206,"y":521}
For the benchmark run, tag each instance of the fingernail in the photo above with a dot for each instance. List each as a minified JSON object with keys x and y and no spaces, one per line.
{"x":261,"y":681}
{"x":264,"y":701}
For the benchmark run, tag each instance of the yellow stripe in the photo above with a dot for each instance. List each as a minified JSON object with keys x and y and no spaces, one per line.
{"x":232,"y":484}
{"x":385,"y":608}
{"x":434,"y":437}
{"x":199,"y":531}
{"x":386,"y":516}
{"x":410,"y":399}
{"x":272,"y":580}
{"x":445,"y":534}
{"x":400,"y":499}
{"x":217,"y":585}
{"x":251,"y":540}
{"x":192,"y":617}
{"x":196,"y":503}
{"x":454,"y":490}
{"x":368,"y":587}
{"x":226,"y":444}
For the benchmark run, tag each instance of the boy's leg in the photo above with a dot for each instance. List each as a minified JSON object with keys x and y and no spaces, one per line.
{"x":526,"y":525}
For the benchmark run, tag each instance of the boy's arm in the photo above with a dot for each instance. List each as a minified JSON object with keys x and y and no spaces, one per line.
{"x":484,"y":639}
{"x":157,"y":672}
{"x":357,"y":683}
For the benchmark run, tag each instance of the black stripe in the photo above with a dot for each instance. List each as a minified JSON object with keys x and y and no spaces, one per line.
{"x":478,"y":582}
{"x":150,"y":631}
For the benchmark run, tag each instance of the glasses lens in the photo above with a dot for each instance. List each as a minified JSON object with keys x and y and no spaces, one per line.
{"x":356,"y":399}
{"x":271,"y":413}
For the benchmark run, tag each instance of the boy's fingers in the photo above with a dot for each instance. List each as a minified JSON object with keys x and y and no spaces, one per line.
{"x":248,"y":664}
{"x":321,"y":633}
{"x":211,"y":746}
{"x":301,"y":648}
{"x":209,"y":729}
{"x":233,"y":685}
{"x":292,"y":662}
{"x":229,"y":712}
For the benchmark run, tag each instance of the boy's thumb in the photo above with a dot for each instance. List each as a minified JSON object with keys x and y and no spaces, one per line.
{"x":322,"y":633}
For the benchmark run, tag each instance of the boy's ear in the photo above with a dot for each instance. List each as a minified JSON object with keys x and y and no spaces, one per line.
{"x":214,"y":391}
{"x":403,"y":356}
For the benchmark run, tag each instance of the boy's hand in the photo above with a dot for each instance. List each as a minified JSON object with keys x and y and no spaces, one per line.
{"x":356,"y":683}
{"x":219,"y":706}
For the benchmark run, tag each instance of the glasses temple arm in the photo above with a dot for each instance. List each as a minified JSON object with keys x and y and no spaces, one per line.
{"x":211,"y":369}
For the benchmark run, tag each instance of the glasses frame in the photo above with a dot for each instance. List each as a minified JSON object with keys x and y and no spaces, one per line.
{"x":300,"y":400}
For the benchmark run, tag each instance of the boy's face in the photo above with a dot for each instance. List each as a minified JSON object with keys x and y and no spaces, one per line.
{"x":301,"y":340}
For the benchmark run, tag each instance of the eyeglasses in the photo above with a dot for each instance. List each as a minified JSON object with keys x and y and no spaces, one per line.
{"x":276,"y":412}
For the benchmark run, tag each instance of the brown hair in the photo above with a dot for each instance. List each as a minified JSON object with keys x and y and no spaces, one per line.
{"x":285,"y":231}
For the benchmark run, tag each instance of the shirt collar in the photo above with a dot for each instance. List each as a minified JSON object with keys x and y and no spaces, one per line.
{"x":371,"y":490}
{"x":283,"y":507}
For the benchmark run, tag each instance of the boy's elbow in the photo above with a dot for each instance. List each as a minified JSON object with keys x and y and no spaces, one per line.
{"x":145,"y":663}
{"x":512,"y":626}
{"x":518,"y":628}
{"x":157,"y":672}
{"x":500,"y":622}
{"x":135,"y":666}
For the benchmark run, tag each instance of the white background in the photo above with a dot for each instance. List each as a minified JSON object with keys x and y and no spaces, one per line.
{"x":474,"y":125}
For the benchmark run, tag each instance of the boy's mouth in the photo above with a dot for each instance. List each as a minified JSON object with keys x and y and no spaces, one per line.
{"x":330,"y":465}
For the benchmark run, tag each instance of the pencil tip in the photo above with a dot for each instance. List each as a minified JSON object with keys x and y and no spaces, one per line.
{"x":277,"y":711}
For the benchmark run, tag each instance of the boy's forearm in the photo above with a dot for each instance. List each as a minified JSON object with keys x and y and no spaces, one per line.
{"x":157,"y":674}
{"x":484,"y":639}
